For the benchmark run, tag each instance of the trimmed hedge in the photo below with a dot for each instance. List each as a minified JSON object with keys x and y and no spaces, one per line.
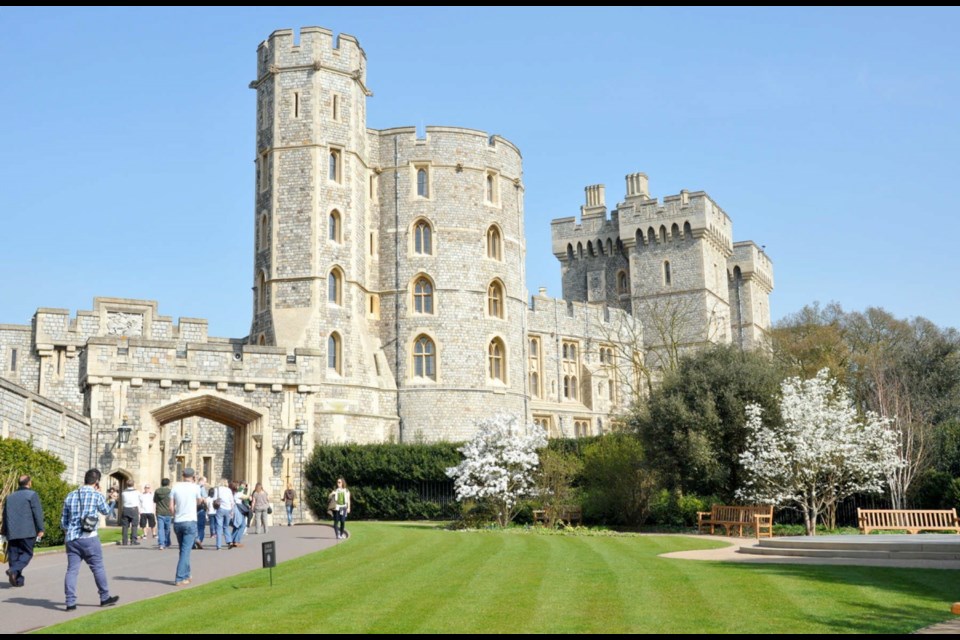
{"x":386,"y":481}
{"x":45,"y":468}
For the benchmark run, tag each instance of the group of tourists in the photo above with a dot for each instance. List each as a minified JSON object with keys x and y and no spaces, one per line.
{"x":228,"y":509}
{"x":187,"y":507}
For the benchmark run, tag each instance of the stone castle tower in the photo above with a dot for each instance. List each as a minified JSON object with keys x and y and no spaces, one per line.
{"x":672,"y":264}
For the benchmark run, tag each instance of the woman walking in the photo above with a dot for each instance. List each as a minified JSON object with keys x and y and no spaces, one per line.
{"x":340,"y":496}
{"x":260,"y":504}
{"x":289,"y":501}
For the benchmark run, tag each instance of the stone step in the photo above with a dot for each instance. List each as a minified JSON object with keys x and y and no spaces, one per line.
{"x":850,"y":553}
{"x":865,"y":543}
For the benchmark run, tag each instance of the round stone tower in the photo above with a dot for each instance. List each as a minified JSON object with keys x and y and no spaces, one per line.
{"x":451,"y":256}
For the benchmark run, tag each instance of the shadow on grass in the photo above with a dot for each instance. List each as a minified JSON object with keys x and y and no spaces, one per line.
{"x":937,"y":587}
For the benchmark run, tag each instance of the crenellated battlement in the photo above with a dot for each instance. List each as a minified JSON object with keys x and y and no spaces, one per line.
{"x":317,"y":47}
{"x":115,"y":317}
{"x":753,"y":262}
{"x":573,"y":317}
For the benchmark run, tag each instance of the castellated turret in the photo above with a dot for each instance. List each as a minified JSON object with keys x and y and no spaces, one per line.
{"x":673,"y":264}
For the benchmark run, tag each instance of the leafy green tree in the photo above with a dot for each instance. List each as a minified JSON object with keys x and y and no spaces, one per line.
{"x":19,"y":457}
{"x":693,"y":427}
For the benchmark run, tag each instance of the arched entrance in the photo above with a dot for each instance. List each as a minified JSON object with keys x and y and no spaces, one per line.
{"x":116,"y":479}
{"x":231,"y":447}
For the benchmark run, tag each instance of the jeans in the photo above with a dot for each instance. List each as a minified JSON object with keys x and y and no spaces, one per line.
{"x":129,"y":521}
{"x":289,"y":514}
{"x":163,"y":530}
{"x":201,"y":524}
{"x":186,"y":536}
{"x":340,"y":515}
{"x":85,"y":550}
{"x":223,"y":517}
{"x":238,"y":531}
{"x":19,"y":555}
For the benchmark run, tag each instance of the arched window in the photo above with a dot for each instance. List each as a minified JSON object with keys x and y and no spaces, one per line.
{"x":334,"y":165}
{"x":422,"y":238}
{"x":424,"y":358}
{"x":335,"y":287}
{"x":423,"y":296}
{"x":334,"y":353}
{"x":422,"y":185}
{"x":651,"y":236}
{"x":491,"y":195}
{"x":579,"y":249}
{"x":262,"y":238}
{"x":569,"y":251}
{"x":263,"y":340}
{"x":675,"y":231}
{"x":495,"y":300}
{"x":334,"y":231}
{"x":609,"y":247}
{"x":496,"y":353}
{"x":494,"y":248}
{"x":663,"y":233}
{"x":570,"y":387}
{"x":261,"y":291}
{"x":622,"y":285}
{"x":535,"y":384}
{"x":687,"y":232}
{"x":574,"y":390}
{"x":666,"y":272}
{"x":590,"y":249}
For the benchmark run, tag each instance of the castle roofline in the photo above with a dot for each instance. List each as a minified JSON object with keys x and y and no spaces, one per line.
{"x":492,"y":139}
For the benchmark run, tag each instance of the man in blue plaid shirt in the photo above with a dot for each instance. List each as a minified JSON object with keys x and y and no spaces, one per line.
{"x":83,"y":543}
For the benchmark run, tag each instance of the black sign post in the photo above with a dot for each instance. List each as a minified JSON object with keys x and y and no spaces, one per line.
{"x":269,"y":551}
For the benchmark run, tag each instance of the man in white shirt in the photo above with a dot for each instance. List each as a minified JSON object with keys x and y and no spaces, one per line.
{"x":223,"y":503}
{"x":130,"y":514}
{"x":148,"y":517}
{"x":183,"y":504}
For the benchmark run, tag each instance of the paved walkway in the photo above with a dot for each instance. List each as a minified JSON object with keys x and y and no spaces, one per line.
{"x":140,"y":572}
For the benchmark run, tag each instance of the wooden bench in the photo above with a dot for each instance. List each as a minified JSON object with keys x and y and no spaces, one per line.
{"x":567,"y":515}
{"x":757,"y":517}
{"x":912,"y":520}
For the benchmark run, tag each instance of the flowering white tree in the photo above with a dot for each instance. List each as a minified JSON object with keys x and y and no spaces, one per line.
{"x":822,"y":453}
{"x":498,"y":464}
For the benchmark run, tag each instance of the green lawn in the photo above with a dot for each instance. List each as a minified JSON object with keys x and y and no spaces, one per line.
{"x":107,"y":534}
{"x":407,"y":578}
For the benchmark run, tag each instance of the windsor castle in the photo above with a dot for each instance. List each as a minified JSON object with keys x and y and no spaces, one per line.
{"x":389,"y":302}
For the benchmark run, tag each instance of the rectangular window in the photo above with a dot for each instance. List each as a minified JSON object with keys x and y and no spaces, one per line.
{"x":421,"y":181}
{"x":208,"y":467}
{"x":13,"y":360}
{"x":263,"y":172}
{"x":296,"y":104}
{"x":335,"y":169}
{"x":535,"y":367}
{"x":335,"y":108}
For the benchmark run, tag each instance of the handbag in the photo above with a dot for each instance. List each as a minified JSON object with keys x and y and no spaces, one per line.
{"x":332,"y":504}
{"x":3,"y":550}
{"x":269,"y":509}
{"x":217,"y":503}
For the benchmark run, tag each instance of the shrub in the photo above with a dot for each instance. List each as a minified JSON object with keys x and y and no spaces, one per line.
{"x":387,"y":481}
{"x":19,"y":457}
{"x":617,"y":483}
{"x":673,"y":509}
{"x":931,"y":491}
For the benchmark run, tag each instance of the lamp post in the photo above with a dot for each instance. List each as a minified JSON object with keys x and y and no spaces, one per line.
{"x":297,"y":436}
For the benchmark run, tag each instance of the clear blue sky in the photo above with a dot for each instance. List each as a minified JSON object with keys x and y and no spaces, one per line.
{"x":829,"y":135}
